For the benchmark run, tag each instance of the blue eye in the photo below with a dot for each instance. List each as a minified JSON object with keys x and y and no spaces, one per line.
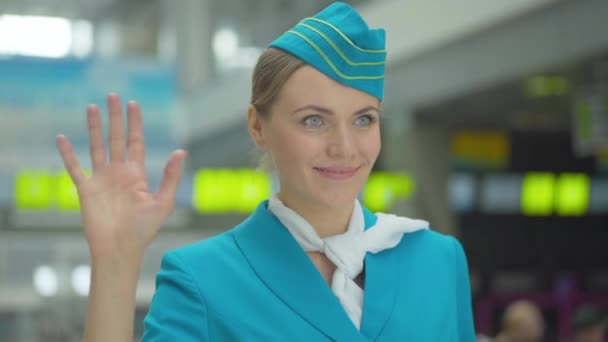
{"x":312,"y":121}
{"x":365,"y":120}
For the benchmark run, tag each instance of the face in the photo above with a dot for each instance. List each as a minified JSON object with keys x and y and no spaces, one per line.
{"x":323,"y":137}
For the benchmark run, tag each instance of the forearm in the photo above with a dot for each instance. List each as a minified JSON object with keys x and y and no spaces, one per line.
{"x":110,"y":312}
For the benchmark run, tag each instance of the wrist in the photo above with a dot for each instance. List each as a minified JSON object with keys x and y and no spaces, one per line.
{"x":117,"y":260}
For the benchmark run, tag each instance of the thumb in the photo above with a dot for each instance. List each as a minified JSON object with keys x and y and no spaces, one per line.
{"x":170,"y":181}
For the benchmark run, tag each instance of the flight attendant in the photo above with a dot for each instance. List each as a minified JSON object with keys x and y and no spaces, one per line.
{"x":311,"y":263}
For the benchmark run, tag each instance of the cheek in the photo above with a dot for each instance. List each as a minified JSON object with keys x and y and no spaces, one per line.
{"x":289,"y":148}
{"x":372,"y":145}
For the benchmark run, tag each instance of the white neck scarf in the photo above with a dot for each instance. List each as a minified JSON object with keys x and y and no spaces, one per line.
{"x":347,"y":251}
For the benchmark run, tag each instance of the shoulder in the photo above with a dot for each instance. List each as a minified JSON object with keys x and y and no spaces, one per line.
{"x":430,"y":249}
{"x":217,"y":250}
{"x":431,"y":241}
{"x":215,"y":267}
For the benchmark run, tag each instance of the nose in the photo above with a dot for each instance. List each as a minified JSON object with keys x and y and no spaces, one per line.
{"x":342,"y":142}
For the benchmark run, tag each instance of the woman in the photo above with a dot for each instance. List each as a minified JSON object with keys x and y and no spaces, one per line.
{"x":310,"y":264}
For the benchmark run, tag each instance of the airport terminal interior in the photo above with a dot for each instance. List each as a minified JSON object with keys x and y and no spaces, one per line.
{"x":494,"y":129}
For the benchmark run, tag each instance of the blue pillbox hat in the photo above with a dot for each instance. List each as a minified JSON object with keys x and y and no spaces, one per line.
{"x":338,"y":43}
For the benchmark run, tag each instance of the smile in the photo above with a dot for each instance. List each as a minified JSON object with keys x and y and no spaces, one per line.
{"x":337,"y":172}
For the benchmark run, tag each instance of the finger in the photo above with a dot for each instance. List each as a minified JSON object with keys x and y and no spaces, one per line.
{"x":136,"y":143}
{"x":117,"y":129}
{"x":69,"y":159}
{"x":96,"y":146}
{"x":170,"y":181}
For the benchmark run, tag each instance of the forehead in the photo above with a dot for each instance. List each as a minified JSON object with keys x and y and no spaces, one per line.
{"x":309,"y":86}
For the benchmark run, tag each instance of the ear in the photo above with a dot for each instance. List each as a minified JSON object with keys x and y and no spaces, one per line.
{"x":255,"y":126}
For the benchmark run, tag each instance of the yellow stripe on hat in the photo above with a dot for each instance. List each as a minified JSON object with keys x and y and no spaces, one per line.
{"x":343,"y":35}
{"x":329,"y":62}
{"x":333,"y":45}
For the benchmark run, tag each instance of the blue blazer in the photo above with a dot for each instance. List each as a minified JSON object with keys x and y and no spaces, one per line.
{"x":255,"y":283}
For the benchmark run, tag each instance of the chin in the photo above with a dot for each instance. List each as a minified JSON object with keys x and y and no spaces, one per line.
{"x":337,"y":199}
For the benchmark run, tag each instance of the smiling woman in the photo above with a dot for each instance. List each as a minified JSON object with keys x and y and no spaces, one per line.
{"x":311,"y":263}
{"x":324,"y":138}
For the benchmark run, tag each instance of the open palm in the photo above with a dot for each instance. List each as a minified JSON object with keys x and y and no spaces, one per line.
{"x":119,"y":212}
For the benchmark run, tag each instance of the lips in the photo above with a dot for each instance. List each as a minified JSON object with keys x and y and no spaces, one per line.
{"x":337,"y":172}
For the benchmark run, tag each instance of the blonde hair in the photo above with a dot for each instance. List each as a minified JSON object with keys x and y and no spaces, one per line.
{"x":273,"y":69}
{"x":271,"y":72}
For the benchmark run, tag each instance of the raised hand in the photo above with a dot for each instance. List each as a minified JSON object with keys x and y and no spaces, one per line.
{"x":119,"y":213}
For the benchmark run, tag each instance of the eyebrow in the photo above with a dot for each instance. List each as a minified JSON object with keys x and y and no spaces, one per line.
{"x":329,"y":111}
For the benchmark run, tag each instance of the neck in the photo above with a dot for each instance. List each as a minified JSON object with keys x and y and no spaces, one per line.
{"x":326,"y":221}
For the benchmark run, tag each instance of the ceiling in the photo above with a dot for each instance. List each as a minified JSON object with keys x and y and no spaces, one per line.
{"x":82,"y":9}
{"x":506,"y":105}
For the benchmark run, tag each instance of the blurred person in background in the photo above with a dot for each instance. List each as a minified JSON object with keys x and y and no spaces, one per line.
{"x":522,"y":321}
{"x":588,"y":324}
{"x":310,"y":264}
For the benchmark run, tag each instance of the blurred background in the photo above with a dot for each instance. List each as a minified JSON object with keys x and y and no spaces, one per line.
{"x":495,"y":130}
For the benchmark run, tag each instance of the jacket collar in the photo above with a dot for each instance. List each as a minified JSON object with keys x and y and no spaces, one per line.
{"x":287,"y":271}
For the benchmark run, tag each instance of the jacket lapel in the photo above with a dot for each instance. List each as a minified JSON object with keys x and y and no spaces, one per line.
{"x":288,"y":272}
{"x":381,"y":284}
